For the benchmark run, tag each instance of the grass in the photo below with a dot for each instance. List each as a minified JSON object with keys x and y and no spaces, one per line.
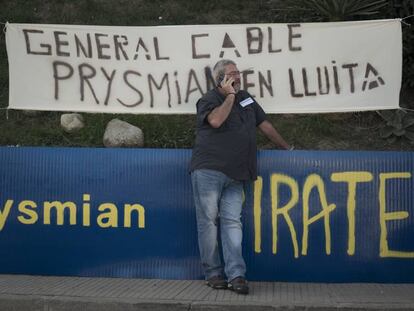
{"x":175,"y":131}
{"x":354,"y":131}
{"x":357,"y":131}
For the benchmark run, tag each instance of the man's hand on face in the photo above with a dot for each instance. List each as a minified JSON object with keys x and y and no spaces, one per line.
{"x":227,"y":85}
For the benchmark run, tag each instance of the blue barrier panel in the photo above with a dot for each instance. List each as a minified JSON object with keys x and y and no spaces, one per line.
{"x":311,"y":216}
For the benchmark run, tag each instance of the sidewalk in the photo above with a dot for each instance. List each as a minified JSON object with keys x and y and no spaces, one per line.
{"x":37,"y":293}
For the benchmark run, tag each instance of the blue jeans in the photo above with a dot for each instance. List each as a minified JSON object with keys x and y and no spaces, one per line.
{"x":218,"y":200}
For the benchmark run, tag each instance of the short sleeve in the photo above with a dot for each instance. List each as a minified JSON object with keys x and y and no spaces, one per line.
{"x":204,"y":107}
{"x":260,"y":114}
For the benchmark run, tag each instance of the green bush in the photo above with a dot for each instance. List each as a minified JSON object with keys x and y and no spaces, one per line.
{"x":398,"y":124}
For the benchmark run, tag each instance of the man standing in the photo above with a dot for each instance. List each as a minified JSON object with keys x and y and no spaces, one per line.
{"x":224,"y":156}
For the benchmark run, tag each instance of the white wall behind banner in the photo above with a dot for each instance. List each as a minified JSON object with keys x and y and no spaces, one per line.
{"x":309,"y":67}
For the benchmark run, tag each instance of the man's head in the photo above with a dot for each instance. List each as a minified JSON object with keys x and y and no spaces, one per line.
{"x":227,"y":68}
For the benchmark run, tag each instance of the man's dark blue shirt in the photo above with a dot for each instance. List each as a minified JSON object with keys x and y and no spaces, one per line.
{"x":231,"y":148}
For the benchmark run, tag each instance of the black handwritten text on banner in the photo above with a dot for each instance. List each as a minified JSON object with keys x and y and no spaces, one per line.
{"x":309,"y":67}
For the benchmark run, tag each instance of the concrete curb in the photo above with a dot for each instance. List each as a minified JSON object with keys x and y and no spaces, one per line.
{"x":57,"y":303}
{"x":39,"y":293}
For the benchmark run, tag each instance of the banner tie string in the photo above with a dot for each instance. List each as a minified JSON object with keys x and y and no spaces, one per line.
{"x":402,"y":20}
{"x":7,"y":112}
{"x":5,"y":26}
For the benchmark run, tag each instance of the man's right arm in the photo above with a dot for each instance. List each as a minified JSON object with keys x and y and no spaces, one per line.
{"x":219,"y":114}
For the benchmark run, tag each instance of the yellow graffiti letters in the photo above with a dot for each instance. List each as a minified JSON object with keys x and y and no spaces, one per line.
{"x":275,"y":181}
{"x":111,"y":216}
{"x":257,"y":214}
{"x":129,"y":208}
{"x":86,"y":210}
{"x":387,"y":216}
{"x":315,"y":182}
{"x":30,"y":213}
{"x":60,"y":208}
{"x":352,"y":178}
{"x":311,"y":182}
{"x":5,"y":213}
{"x":62,"y":213}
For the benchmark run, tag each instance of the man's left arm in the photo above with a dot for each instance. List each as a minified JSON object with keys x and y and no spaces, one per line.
{"x":270,"y":132}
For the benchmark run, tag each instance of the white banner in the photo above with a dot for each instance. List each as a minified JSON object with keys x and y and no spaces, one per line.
{"x":309,"y":67}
